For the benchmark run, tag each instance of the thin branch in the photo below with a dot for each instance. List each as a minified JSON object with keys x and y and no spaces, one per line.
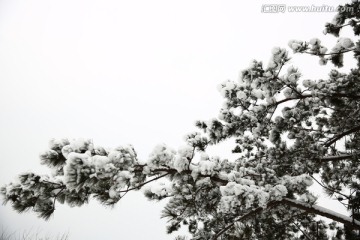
{"x":243,"y":217}
{"x":46,"y":181}
{"x":347,"y":24}
{"x":144,"y":183}
{"x":339,"y":136}
{"x":278,"y":73}
{"x":305,"y":234}
{"x":293,"y":98}
{"x":336,"y":95}
{"x":332,"y":53}
{"x":335,"y":158}
{"x":329,"y":188}
{"x":55,"y":197}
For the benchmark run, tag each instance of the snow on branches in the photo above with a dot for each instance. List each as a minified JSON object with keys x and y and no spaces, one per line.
{"x":285,"y":130}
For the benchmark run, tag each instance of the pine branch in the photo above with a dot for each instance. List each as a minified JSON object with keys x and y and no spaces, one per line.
{"x":334,"y":95}
{"x":327,"y":54}
{"x":339,"y":136}
{"x":335,"y":158}
{"x":321,"y":211}
{"x":139,"y":186}
{"x":324,"y":212}
{"x":244,"y":217}
{"x":330,"y":189}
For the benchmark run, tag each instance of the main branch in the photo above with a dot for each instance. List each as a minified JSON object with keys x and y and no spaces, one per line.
{"x":321,"y":211}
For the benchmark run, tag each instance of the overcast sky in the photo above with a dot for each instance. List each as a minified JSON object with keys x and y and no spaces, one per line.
{"x":119,"y":72}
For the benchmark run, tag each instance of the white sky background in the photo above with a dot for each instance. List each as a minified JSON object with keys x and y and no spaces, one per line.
{"x":119,"y":72}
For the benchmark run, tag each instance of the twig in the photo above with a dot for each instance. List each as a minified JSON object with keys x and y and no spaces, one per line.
{"x":139,"y":186}
{"x":307,"y":236}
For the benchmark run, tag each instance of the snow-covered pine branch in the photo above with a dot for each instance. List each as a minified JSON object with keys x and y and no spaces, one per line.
{"x":285,"y":130}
